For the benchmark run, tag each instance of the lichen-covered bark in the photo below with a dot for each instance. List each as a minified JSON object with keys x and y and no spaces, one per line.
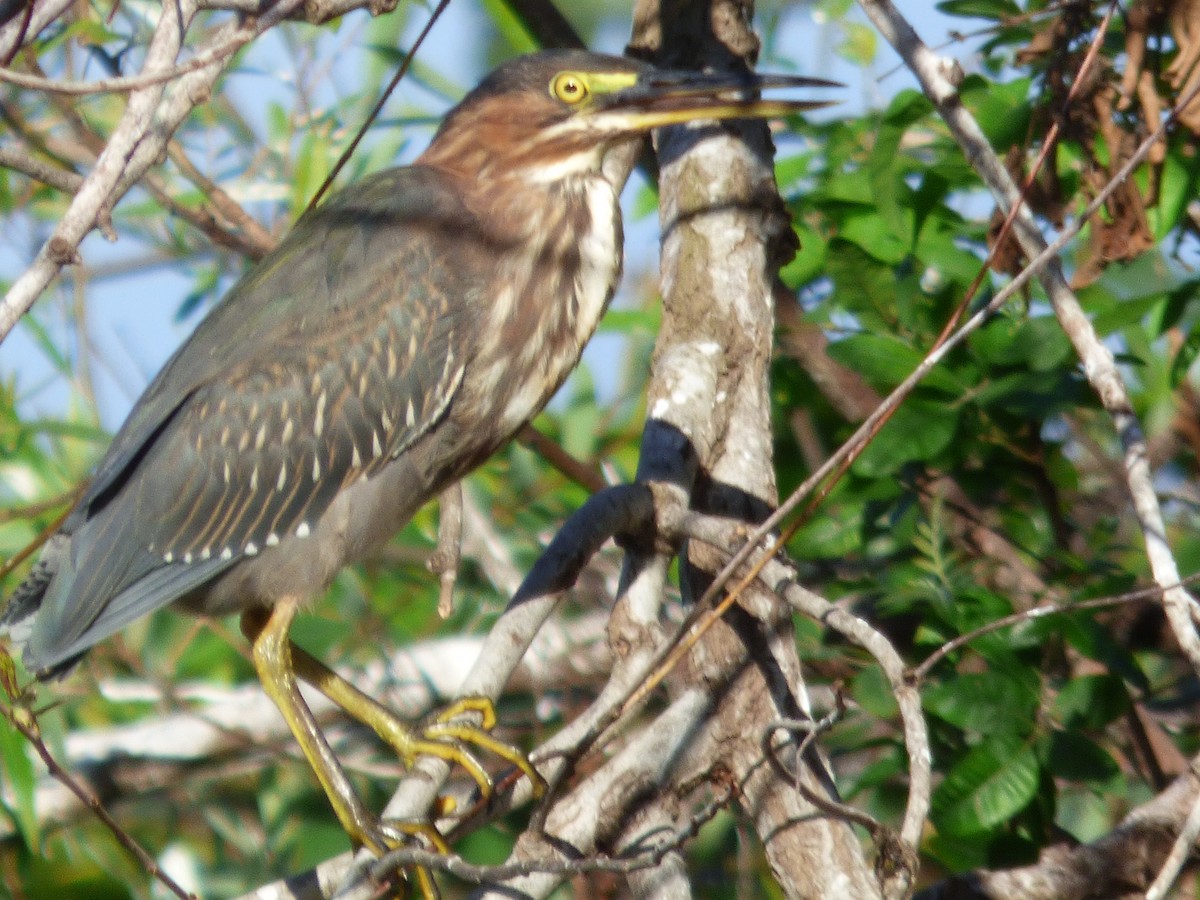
{"x":725,"y":234}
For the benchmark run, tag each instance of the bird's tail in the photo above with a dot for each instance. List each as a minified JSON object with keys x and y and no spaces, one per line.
{"x":16,"y":619}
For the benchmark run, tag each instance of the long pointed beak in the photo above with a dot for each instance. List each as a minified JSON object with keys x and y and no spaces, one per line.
{"x":661,"y":98}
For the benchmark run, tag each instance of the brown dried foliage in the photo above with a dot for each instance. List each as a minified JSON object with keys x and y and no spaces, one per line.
{"x":1109,"y":113}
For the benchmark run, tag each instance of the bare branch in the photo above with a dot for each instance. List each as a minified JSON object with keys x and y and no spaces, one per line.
{"x":151,"y":116}
{"x":782,"y":579}
{"x":642,"y":769}
{"x":1181,"y":851}
{"x":243,"y":34}
{"x":20,"y":30}
{"x":445,"y":560}
{"x":64,"y":180}
{"x":24,"y":721}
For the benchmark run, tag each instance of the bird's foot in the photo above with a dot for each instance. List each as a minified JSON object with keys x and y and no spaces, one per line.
{"x":447,"y":736}
{"x":381,"y":836}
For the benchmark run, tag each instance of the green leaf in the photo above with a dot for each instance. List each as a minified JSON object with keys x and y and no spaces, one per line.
{"x":1184,"y":357}
{"x":984,"y":702}
{"x":1091,"y":701}
{"x":873,"y":693}
{"x":845,"y":187}
{"x":862,"y":285}
{"x":1127,"y":294}
{"x":1088,"y":637}
{"x":872,"y":233}
{"x":809,"y":261}
{"x":858,"y":43}
{"x":886,"y":361}
{"x":835,"y":9}
{"x":1177,"y":185}
{"x":19,"y":774}
{"x":1032,"y":395}
{"x":988,"y":786}
{"x":996,"y":10}
{"x":1070,"y":755}
{"x":513,"y":30}
{"x":918,"y":431}
{"x":879,"y":774}
{"x":1038,"y":343}
{"x":625,"y":321}
{"x":832,"y":535}
{"x":1179,"y":302}
{"x":1002,"y":108}
{"x":890,"y":195}
{"x":645,"y":202}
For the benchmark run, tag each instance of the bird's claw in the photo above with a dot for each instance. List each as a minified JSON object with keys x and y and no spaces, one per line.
{"x":445,"y":737}
{"x":381,"y":836}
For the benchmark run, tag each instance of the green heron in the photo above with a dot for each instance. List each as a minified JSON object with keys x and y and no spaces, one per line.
{"x":397,"y":337}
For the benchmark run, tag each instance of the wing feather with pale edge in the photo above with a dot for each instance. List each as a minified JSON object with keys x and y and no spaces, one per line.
{"x":312,"y":373}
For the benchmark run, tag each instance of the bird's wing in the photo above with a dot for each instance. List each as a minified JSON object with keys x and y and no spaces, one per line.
{"x":326,"y":361}
{"x":286,"y":299}
{"x":263,"y":455}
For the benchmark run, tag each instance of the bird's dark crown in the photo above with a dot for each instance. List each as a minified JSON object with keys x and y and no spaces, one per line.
{"x":533,"y":73}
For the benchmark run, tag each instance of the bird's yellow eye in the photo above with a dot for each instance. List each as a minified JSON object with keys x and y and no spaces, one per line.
{"x":569,"y":87}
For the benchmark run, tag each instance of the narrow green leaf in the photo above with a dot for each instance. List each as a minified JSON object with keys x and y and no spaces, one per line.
{"x":511,"y":28}
{"x":996,"y":10}
{"x":18,"y":773}
{"x":1184,"y":357}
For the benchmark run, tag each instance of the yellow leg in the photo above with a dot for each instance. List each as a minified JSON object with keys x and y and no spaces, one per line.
{"x":271,"y":651}
{"x":442,"y":738}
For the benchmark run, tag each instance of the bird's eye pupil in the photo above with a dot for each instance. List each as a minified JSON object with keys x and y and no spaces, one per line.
{"x":569,"y":89}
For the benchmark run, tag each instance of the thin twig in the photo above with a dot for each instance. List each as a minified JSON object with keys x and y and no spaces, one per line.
{"x":25,"y":722}
{"x":405,"y":64}
{"x":126,"y":83}
{"x":784,"y":580}
{"x":559,"y":866}
{"x":579,"y":472}
{"x":445,"y":560}
{"x":62,"y":179}
{"x":37,"y":16}
{"x":150,"y":117}
{"x":921,"y":672}
{"x":257,"y":241}
{"x":812,"y":729}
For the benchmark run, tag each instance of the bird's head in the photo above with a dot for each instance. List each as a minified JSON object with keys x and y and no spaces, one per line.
{"x":552,"y":115}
